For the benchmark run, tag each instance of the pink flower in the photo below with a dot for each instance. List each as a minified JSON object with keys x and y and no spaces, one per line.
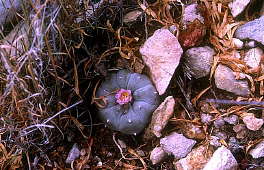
{"x":123,"y":96}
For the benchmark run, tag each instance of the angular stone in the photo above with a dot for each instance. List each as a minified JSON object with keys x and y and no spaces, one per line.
{"x":222,"y":159}
{"x":252,"y":30}
{"x":160,"y":118}
{"x":225,"y":80}
{"x":195,"y":160}
{"x":161,"y":53}
{"x":177,"y":145}
{"x":258,"y":150}
{"x":253,"y":57}
{"x":198,"y":61}
{"x":238,"y":6}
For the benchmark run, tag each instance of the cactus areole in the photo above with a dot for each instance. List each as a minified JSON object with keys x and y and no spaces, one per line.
{"x":130,"y":100}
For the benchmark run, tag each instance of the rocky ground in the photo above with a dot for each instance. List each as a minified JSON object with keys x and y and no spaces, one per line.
{"x":165,"y":84}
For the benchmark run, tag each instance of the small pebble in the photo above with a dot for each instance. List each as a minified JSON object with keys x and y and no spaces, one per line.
{"x":73,"y":154}
{"x":214,"y":141}
{"x":253,"y":57}
{"x":252,"y":122}
{"x":241,"y":131}
{"x":221,"y":135}
{"x":225,"y":79}
{"x":218,"y":123}
{"x":258,"y":150}
{"x":177,"y":145}
{"x":232,"y":119}
{"x":99,"y":161}
{"x":206,"y":118}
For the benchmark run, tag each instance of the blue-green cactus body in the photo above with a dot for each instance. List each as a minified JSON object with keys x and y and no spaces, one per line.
{"x":132,"y":117}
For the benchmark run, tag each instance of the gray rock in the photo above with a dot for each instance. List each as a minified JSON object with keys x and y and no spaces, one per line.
{"x":198,"y":61}
{"x":73,"y":154}
{"x":225,"y":80}
{"x":222,"y":159}
{"x":177,"y":144}
{"x":157,"y":155}
{"x":253,"y":57}
{"x":190,"y":14}
{"x":232,"y":119}
{"x":252,"y":30}
{"x":258,"y":151}
{"x":238,"y":6}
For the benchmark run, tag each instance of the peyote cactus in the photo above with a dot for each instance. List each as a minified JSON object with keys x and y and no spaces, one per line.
{"x":130,"y":100}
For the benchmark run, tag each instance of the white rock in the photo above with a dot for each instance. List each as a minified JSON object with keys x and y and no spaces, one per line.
{"x":238,"y":43}
{"x":161,"y":53}
{"x":222,"y":159}
{"x":160,"y":118}
{"x":252,"y":122}
{"x":258,"y":151}
{"x":190,"y":14}
{"x":195,"y":160}
{"x":73,"y":154}
{"x":177,"y":144}
{"x":198,"y":61}
{"x":157,"y":155}
{"x":237,"y":6}
{"x":253,"y":57}
{"x":225,"y":80}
